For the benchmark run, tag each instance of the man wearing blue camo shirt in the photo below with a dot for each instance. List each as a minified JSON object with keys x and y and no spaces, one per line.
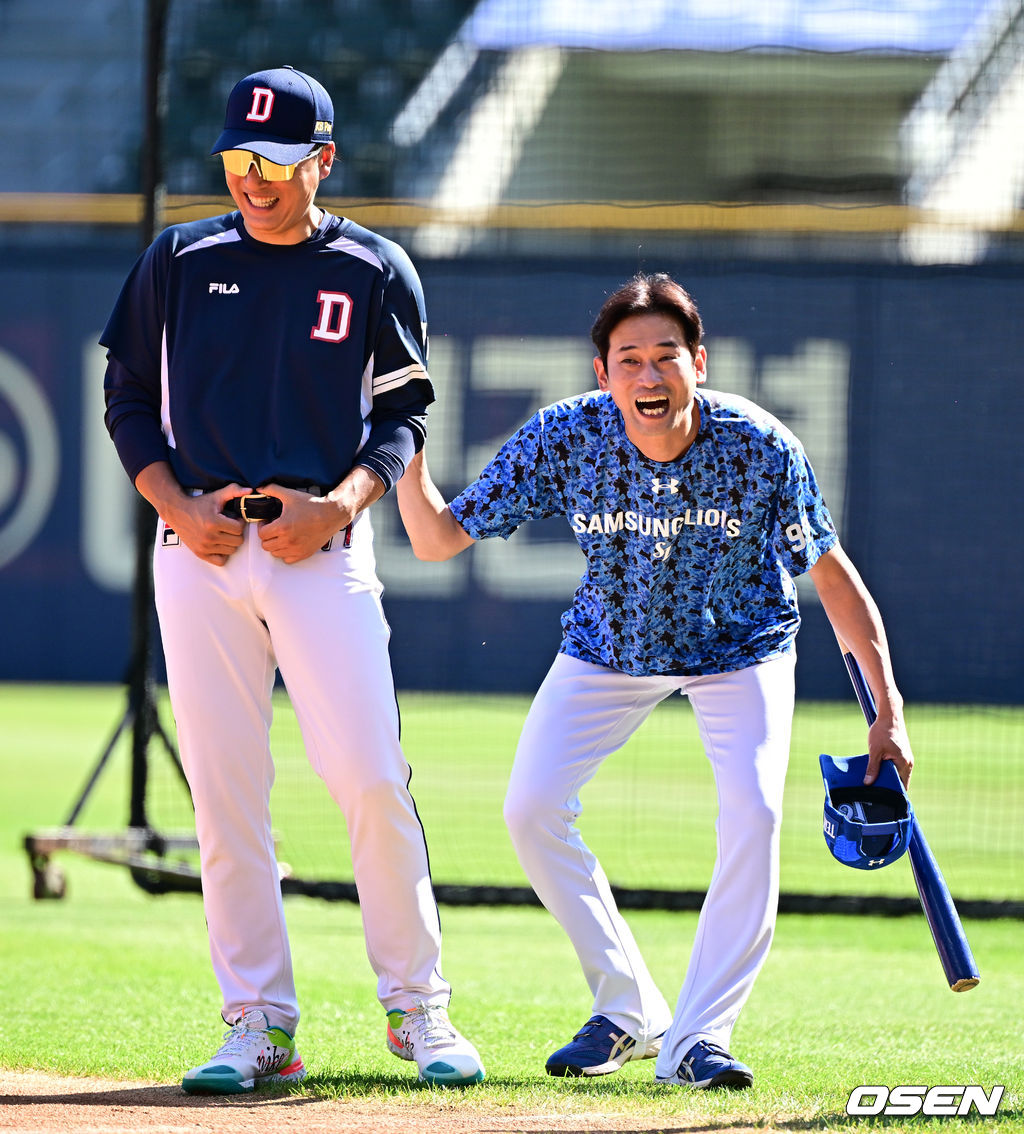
{"x":695,"y":511}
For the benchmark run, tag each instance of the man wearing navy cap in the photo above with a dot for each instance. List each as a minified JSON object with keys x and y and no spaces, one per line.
{"x":266,"y":383}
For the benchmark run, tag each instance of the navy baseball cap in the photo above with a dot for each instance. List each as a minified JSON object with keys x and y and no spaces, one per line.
{"x":280,"y":114}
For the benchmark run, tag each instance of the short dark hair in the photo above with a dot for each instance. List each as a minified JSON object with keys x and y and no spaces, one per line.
{"x":645,"y":295}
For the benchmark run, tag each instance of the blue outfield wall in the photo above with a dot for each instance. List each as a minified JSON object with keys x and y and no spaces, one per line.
{"x":904,"y":383}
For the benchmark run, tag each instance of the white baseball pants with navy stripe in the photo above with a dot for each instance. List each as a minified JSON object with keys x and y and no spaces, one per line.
{"x":581,"y":714}
{"x":225,"y":631}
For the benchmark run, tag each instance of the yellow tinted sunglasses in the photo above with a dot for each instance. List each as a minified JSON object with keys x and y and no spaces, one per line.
{"x":239,"y":161}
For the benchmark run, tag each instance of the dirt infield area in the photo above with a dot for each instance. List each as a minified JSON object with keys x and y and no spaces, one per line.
{"x":33,"y":1102}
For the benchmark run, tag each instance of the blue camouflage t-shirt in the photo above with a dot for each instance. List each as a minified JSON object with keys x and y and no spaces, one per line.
{"x":690,"y":563}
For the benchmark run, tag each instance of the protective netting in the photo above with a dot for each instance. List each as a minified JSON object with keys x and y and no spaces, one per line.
{"x":650,"y":811}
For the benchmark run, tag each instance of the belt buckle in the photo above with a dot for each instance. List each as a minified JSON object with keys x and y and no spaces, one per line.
{"x":241,"y":505}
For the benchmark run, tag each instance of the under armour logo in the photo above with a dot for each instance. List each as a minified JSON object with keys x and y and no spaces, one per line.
{"x":670,"y":485}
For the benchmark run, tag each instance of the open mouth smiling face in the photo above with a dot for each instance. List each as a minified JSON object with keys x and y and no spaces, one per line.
{"x":652,"y":377}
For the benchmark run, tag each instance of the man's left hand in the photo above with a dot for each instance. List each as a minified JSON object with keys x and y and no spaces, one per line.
{"x":305,"y":525}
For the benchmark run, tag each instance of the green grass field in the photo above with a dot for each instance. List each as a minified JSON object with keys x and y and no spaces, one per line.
{"x":113,"y":982}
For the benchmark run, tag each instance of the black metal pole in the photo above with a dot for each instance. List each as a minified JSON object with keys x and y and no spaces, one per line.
{"x":141,"y":695}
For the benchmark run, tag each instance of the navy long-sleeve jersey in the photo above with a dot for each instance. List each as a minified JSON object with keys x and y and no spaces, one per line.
{"x":238,"y":360}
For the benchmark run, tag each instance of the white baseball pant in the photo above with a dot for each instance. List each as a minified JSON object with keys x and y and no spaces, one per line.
{"x":580,"y":715}
{"x":225,"y":630}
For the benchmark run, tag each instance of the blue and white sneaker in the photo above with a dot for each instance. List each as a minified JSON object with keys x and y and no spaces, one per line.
{"x":599,"y":1048}
{"x":252,"y":1054}
{"x":707,"y":1065}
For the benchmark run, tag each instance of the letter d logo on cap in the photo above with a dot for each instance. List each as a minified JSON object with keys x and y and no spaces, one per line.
{"x":262,"y":104}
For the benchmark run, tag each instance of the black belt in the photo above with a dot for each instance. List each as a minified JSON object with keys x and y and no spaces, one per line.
{"x":253,"y":507}
{"x":256,"y":506}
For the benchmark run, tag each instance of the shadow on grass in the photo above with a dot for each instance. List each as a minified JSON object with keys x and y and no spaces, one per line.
{"x":355,"y":1085}
{"x":149,"y":1096}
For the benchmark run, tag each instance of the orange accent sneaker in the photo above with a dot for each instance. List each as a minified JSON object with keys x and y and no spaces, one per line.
{"x":426,"y":1035}
{"x":252,"y":1054}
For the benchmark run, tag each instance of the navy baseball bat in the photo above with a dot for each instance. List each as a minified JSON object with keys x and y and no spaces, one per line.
{"x":944,"y":922}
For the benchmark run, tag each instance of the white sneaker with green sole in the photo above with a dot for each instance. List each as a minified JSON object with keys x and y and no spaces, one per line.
{"x":426,"y":1035}
{"x":252,"y":1054}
